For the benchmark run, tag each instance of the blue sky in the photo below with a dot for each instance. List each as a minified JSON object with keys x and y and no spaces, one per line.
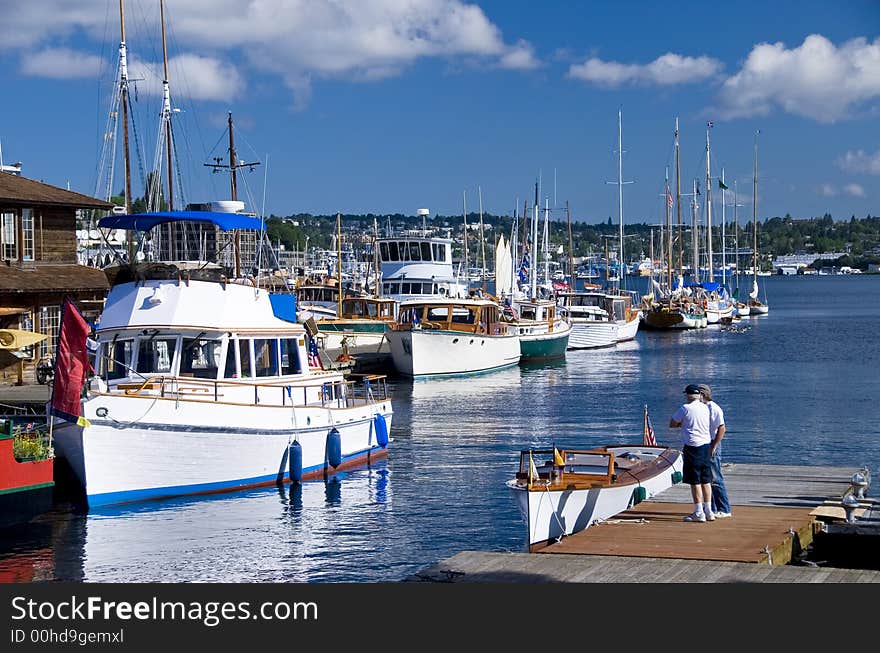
{"x":387,"y":106}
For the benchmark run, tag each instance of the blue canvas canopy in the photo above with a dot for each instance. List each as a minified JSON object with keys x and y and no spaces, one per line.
{"x":146,"y":221}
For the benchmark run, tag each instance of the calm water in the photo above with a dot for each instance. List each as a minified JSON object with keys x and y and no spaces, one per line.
{"x":798,"y":386}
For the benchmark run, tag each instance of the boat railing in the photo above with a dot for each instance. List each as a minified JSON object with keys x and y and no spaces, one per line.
{"x":357,"y":390}
{"x":566,"y":466}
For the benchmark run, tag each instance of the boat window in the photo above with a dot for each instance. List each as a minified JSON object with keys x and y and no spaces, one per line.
{"x":438,"y":314}
{"x":117,"y":364}
{"x":244,"y":357}
{"x":290,"y":360}
{"x":438,"y":253}
{"x":404,"y":288}
{"x":229,"y":370}
{"x":200,"y":358}
{"x":462,"y":315}
{"x":383,"y":251}
{"x":528,"y":313}
{"x":393,"y":253}
{"x":372,"y":310}
{"x":155,"y":355}
{"x":426,"y":251}
{"x":266,"y":357}
{"x":415,"y":252}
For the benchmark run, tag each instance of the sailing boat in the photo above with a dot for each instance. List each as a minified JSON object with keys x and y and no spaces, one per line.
{"x":618,"y":302}
{"x":718,"y":306}
{"x":543,"y":328}
{"x":675,"y":309}
{"x":756,"y":306}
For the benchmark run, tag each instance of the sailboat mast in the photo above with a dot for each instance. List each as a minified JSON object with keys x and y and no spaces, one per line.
{"x":709,"y":209}
{"x":755,"y":216}
{"x":533,"y":248}
{"x":668,"y":202}
{"x":377,"y":285}
{"x":482,"y":242}
{"x":620,"y":195}
{"x":339,"y":263}
{"x":723,"y":232}
{"x":464,"y":213}
{"x":166,"y":108}
{"x":233,"y":185}
{"x":678,"y":202}
{"x":546,"y":240}
{"x":123,"y":86}
{"x":695,"y":241}
{"x":570,"y":246}
{"x":736,"y":238}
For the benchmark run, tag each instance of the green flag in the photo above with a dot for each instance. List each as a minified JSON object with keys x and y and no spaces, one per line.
{"x":721,"y":185}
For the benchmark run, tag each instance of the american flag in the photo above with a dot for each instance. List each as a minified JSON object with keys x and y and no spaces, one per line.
{"x":668,"y":198}
{"x":649,"y":440}
{"x":314,"y":357}
{"x":710,"y":124}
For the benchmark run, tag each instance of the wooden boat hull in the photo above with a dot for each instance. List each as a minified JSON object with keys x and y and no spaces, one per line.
{"x":554,"y":510}
{"x":662,"y":318}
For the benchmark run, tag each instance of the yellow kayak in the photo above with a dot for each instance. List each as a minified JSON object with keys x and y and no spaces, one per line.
{"x":17,"y":338}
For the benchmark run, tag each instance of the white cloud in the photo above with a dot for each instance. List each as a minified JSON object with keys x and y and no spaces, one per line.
{"x":828,"y":190}
{"x":665,"y":70}
{"x":854,"y":190}
{"x":294,"y":40}
{"x":816,"y":80}
{"x":61,"y":63}
{"x":860,"y":161}
{"x":192,"y":76}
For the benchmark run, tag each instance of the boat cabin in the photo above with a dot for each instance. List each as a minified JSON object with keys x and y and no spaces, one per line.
{"x":480,"y":317}
{"x":368,"y":308}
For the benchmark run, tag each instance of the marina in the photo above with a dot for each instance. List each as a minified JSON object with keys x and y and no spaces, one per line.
{"x":324,"y":381}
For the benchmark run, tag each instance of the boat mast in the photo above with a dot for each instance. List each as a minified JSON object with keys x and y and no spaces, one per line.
{"x":466,"y":270}
{"x":723,"y":233}
{"x":339,"y":263}
{"x":709,"y":209}
{"x":620,"y":183}
{"x":533,"y":259}
{"x":482,"y":242}
{"x":123,"y":87}
{"x":755,"y":218}
{"x":545,"y":241}
{"x":695,"y":240}
{"x":570,"y":247}
{"x":166,"y":109}
{"x":376,"y":284}
{"x":678,"y":203}
{"x":668,"y":202}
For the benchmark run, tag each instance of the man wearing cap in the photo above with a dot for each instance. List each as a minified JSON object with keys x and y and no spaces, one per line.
{"x":693,"y":419}
{"x":717,"y":429}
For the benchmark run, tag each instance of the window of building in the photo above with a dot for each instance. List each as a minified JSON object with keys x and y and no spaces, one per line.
{"x":7,"y":235}
{"x":50,"y":318}
{"x":27,"y":226}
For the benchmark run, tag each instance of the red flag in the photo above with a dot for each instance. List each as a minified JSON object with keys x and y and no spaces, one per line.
{"x":71,"y":364}
{"x":648,"y":440}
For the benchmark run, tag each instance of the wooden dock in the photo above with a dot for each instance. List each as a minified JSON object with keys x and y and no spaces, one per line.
{"x":778,"y":512}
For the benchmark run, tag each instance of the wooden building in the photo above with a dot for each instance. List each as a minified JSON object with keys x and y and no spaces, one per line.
{"x":38,"y":268}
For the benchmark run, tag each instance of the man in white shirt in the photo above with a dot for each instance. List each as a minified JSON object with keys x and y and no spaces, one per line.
{"x":693,"y":419}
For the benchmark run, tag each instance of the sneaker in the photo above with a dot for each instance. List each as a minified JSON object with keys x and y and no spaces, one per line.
{"x":696,"y":516}
{"x":722,"y":515}
{"x":710,"y":516}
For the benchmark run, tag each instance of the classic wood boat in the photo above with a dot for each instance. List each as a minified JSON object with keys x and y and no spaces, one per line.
{"x":451,"y":337}
{"x":362,"y":322}
{"x":560,"y":492}
{"x":543,"y":330}
{"x":203,"y":384}
{"x":592,"y":326}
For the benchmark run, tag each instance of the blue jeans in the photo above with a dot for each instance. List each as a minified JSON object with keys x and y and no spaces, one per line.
{"x":719,"y":490}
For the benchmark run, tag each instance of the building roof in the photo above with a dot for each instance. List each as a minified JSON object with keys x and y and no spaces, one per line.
{"x":21,"y":191}
{"x":51,"y":278}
